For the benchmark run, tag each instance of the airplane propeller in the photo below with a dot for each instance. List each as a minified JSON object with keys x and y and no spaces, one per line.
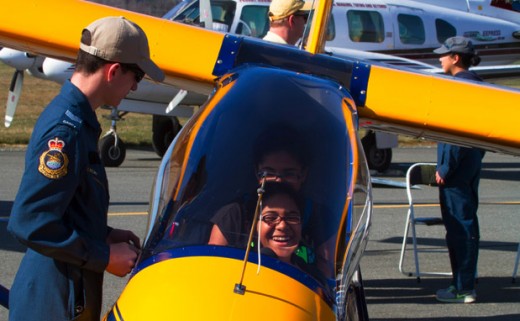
{"x":20,"y":61}
{"x":15,"y":89}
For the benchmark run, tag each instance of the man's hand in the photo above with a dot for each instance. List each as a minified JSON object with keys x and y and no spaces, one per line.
{"x":124,"y":249}
{"x":122,"y":258}
{"x":123,"y":236}
{"x":439,"y":179}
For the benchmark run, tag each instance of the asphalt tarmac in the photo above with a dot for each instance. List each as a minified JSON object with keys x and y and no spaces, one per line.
{"x":391,"y":295}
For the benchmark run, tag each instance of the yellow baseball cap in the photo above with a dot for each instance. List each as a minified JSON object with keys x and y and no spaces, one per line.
{"x":280,"y":9}
{"x":120,"y":40}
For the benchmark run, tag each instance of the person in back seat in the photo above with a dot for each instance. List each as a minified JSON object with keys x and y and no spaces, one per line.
{"x":281,"y":156}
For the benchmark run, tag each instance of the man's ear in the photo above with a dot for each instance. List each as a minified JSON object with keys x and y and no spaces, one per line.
{"x":111,"y":70}
{"x":291,"y":20}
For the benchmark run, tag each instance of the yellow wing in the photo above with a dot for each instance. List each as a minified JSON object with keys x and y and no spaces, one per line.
{"x":395,"y":100}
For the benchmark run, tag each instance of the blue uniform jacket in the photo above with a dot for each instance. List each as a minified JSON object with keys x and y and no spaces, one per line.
{"x":460,"y":169}
{"x":60,"y":214}
{"x":459,"y":166}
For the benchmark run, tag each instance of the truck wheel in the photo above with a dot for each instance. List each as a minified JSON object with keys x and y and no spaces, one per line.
{"x":164,"y":130}
{"x":111,"y":154}
{"x":377,"y":159}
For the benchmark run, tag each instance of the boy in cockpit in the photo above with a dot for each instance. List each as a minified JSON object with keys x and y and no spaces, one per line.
{"x":279,"y":156}
{"x":280,"y":224}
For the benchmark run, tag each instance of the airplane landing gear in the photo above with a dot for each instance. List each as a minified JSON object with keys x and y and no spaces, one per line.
{"x":164,"y":131}
{"x":377,"y":159}
{"x":112,"y":150}
{"x":354,"y":305}
{"x":356,"y":302}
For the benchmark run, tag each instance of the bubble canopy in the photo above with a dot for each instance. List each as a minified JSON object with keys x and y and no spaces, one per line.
{"x":211,"y":164}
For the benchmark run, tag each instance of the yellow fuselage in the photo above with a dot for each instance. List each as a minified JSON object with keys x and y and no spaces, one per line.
{"x":194,"y":288}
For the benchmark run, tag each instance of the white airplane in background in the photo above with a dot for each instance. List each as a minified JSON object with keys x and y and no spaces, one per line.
{"x":151,"y":98}
{"x":508,"y":10}
{"x":412,"y":29}
{"x":403,"y":29}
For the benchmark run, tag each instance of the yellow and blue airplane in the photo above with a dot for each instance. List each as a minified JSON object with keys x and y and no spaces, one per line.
{"x":255,"y":85}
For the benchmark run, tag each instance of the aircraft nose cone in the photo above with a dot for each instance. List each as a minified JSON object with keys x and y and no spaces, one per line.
{"x":16,"y":59}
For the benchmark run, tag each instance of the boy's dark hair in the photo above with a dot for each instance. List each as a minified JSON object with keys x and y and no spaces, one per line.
{"x":280,"y":138}
{"x":272,"y":188}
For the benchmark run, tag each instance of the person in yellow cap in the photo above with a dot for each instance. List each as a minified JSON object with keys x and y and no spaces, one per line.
{"x":287,"y":21}
{"x":60,"y":211}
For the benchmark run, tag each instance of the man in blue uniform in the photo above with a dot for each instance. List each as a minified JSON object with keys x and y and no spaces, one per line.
{"x":458,"y":176}
{"x":60,"y":211}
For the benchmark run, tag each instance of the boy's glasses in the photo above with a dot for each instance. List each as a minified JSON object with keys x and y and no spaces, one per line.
{"x":275,"y":219}
{"x":284,"y":176}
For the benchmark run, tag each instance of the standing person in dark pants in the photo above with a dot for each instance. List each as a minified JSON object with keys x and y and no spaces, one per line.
{"x":458,"y":176}
{"x":60,"y":211}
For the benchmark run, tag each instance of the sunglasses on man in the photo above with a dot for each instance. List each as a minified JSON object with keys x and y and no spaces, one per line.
{"x":305,"y":16}
{"x":138,"y":73}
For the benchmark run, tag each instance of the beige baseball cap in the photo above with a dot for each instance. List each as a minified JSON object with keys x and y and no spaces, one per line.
{"x":280,"y":9}
{"x":120,"y":40}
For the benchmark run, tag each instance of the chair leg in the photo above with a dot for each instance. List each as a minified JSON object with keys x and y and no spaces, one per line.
{"x":410,"y":226}
{"x":416,"y":254}
{"x":403,"y":246}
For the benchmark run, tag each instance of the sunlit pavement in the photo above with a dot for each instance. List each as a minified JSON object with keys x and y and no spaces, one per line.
{"x":390,"y":294}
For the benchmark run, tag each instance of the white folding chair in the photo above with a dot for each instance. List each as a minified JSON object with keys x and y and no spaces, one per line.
{"x":419,"y":175}
{"x":516,"y":263}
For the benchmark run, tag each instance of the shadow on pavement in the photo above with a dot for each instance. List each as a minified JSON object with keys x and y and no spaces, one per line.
{"x":7,"y":242}
{"x":408,"y":290}
{"x":504,"y":317}
{"x":440,"y":242}
{"x":5,"y":208}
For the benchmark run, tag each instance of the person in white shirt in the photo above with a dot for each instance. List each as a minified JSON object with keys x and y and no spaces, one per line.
{"x":287,"y":21}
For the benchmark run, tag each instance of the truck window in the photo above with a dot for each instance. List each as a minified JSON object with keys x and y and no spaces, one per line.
{"x":184,"y":12}
{"x":331,"y":29}
{"x":253,"y":21}
{"x":188,"y":12}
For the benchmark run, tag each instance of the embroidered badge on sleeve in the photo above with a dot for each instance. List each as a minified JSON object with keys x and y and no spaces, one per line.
{"x":53,"y":162}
